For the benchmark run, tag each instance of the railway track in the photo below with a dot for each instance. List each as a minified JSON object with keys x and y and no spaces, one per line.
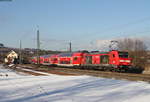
{"x":105,"y":74}
{"x":116,"y":75}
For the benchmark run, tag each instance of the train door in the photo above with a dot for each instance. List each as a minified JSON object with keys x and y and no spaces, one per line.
{"x":114,"y":57}
{"x":88,"y":59}
{"x":104,"y":59}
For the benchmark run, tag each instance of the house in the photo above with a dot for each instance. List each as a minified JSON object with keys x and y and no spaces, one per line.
{"x":1,"y":45}
{"x":11,"y":56}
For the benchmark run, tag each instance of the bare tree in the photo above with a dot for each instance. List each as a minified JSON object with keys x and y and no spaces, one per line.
{"x":136,"y":48}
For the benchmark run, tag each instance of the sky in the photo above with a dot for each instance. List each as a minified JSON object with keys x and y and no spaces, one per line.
{"x":85,"y":23}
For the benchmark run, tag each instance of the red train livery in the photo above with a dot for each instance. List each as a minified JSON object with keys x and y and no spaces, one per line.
{"x":112,"y":60}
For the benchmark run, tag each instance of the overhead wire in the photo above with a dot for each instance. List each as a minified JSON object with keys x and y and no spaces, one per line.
{"x":115,"y":27}
{"x":93,"y":36}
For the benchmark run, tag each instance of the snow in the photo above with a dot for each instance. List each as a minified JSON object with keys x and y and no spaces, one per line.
{"x":18,"y":87}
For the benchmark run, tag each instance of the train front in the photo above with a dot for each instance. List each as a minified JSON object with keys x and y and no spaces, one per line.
{"x":120,"y":60}
{"x":124,"y":60}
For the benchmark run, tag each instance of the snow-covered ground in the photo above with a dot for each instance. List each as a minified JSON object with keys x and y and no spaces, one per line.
{"x":18,"y":87}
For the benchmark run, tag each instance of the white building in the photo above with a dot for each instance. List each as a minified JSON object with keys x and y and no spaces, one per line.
{"x":11,"y":56}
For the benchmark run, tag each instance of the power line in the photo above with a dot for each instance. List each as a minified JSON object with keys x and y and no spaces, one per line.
{"x":5,"y":0}
{"x":114,"y":27}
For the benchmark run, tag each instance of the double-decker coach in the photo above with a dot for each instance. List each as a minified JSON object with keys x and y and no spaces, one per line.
{"x":70,"y":59}
{"x":46,"y":59}
{"x":54,"y":59}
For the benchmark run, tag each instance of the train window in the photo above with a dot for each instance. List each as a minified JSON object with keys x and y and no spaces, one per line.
{"x":123,"y":54}
{"x":104,"y":59}
{"x":64,"y":62}
{"x":88,"y":59}
{"x":46,"y":61}
{"x":75,"y":58}
{"x":55,"y":59}
{"x":113,"y":55}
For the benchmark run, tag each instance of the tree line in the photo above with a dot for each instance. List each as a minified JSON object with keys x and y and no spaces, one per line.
{"x":137,"y":50}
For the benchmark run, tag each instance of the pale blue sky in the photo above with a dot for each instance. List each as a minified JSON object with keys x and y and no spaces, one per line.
{"x":81,"y":21}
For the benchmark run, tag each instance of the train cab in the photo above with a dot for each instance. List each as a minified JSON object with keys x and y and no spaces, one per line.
{"x":120,"y":58}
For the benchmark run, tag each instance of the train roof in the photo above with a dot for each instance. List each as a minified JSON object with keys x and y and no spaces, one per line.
{"x":98,"y":52}
{"x":46,"y":55}
{"x":69,"y":54}
{"x":65,"y":54}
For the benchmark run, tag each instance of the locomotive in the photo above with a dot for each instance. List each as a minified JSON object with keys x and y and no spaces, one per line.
{"x":112,"y":60}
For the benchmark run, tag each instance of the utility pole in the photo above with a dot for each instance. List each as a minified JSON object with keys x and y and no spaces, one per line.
{"x":20,"y":53}
{"x":70,"y":47}
{"x":38,"y":47}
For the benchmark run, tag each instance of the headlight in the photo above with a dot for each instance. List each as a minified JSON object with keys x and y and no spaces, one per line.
{"x":127,"y":61}
{"x":122,"y":60}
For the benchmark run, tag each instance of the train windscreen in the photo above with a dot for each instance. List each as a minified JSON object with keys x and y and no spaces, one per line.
{"x":123,"y":54}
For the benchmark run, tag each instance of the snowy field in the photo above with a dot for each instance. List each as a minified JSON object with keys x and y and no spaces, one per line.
{"x":17,"y":87}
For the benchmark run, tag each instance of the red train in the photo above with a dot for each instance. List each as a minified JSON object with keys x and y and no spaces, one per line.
{"x":112,"y":60}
